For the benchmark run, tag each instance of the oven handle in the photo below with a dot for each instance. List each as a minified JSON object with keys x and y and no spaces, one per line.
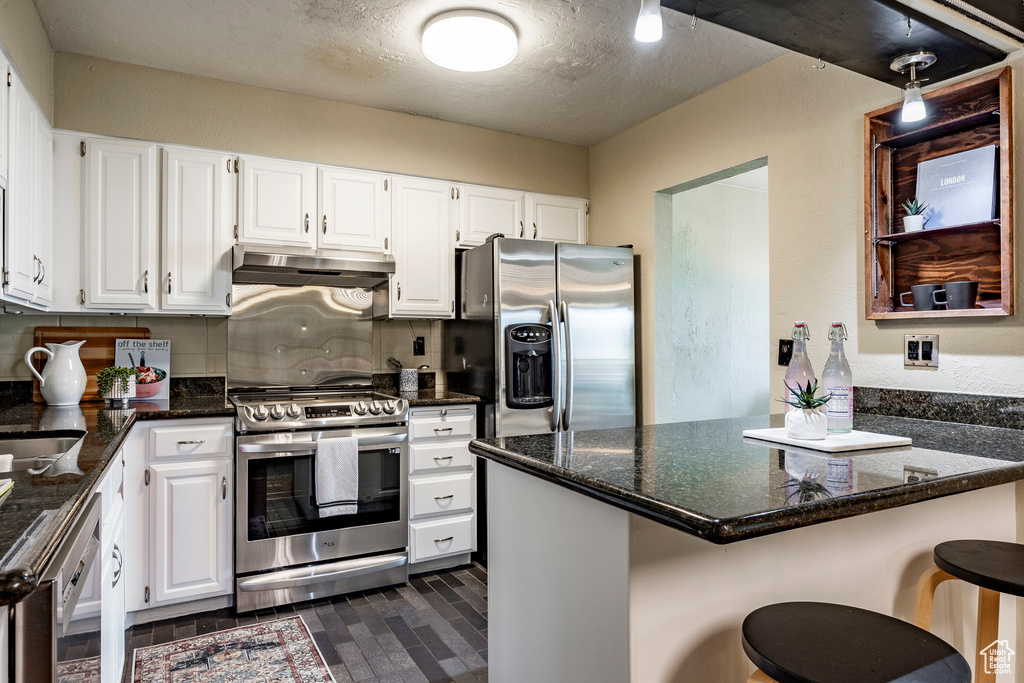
{"x":308,"y":448}
{"x":321,"y":573}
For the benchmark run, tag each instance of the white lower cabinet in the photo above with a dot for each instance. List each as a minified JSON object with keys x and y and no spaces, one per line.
{"x":112,"y":611}
{"x":179,"y":497}
{"x":442,"y":485}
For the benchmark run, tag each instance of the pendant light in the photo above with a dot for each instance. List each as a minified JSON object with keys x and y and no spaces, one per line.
{"x":913,"y":103}
{"x":648,"y":24}
{"x":470,"y":40}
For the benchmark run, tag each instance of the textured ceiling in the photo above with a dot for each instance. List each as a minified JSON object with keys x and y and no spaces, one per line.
{"x":579,"y":77}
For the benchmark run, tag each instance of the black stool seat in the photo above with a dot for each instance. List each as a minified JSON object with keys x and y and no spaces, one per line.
{"x":995,"y":565}
{"x":817,"y":642}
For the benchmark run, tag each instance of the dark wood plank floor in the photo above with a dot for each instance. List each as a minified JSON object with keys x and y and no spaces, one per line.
{"x":432,"y":629}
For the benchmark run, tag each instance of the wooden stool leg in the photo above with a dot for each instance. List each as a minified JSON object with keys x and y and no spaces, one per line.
{"x":988,"y":631}
{"x":760,"y":677}
{"x":926,"y":586}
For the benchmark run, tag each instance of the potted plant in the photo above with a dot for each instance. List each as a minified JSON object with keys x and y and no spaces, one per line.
{"x":116,"y":384}
{"x":914,"y":220}
{"x":808,"y":419}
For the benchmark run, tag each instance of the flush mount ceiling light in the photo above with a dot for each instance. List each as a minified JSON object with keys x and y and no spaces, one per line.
{"x":470,"y":40}
{"x":913,"y":103}
{"x":648,"y":24}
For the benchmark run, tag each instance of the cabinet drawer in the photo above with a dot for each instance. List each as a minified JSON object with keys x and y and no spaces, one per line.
{"x":440,"y":456}
{"x":189,"y":440}
{"x":442,"y":495}
{"x":110,"y":487}
{"x":439,"y":538}
{"x":442,"y":427}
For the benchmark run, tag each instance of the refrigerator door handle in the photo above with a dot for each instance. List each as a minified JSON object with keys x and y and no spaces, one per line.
{"x":556,"y":366}
{"x":567,"y":414}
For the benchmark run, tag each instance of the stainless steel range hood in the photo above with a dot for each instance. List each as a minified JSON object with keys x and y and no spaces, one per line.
{"x":278,"y":266}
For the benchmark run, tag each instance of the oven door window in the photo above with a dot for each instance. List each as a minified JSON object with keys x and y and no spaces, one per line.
{"x":282,"y":494}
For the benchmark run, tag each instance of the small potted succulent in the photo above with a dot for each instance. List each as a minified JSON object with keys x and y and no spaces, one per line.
{"x":116,"y":384}
{"x":914,"y":220}
{"x":808,"y":419}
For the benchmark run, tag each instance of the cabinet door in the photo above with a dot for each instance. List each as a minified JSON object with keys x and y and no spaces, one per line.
{"x":484,"y":211}
{"x":556,"y":219}
{"x":112,"y":613}
{"x":354,"y":211}
{"x":20,"y":261}
{"x":5,"y":70}
{"x":190,"y":536}
{"x":197,"y":227}
{"x":44,"y":203}
{"x":424,"y":280}
{"x":278,"y":200}
{"x":119,"y":241}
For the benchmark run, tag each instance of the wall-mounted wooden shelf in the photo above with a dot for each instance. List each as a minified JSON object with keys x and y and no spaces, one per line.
{"x":968,"y":115}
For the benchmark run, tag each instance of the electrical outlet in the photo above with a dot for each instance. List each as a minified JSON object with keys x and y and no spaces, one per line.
{"x":921,"y":350}
{"x":785,"y":351}
{"x":419,"y":347}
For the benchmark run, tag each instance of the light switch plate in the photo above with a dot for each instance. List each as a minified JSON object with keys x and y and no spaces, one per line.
{"x":921,"y":350}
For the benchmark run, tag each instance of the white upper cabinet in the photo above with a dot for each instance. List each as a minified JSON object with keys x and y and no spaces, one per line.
{"x":278,"y":202}
{"x":119,"y":265}
{"x":197,"y":225}
{"x":6,"y":83}
{"x":423,"y":285}
{"x":354,"y":210}
{"x":44,"y":221}
{"x":556,"y":219}
{"x":21,"y":262}
{"x":485,"y":211}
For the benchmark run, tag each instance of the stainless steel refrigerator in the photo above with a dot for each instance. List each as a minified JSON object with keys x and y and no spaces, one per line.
{"x":545,"y":336}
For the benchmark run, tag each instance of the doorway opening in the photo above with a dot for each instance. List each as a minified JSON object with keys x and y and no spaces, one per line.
{"x":711,"y":329}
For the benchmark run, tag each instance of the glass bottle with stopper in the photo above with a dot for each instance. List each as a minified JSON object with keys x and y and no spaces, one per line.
{"x":838,"y":381}
{"x":800,"y":372}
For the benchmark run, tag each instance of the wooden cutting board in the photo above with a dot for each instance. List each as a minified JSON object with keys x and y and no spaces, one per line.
{"x":97,"y":352}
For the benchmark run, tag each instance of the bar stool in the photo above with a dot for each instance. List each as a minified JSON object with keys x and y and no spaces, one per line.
{"x":815,"y":642}
{"x":994,"y":566}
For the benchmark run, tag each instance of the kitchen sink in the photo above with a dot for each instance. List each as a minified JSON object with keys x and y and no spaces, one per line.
{"x":38,"y":450}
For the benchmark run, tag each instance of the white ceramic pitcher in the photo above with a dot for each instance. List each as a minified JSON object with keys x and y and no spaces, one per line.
{"x":63,"y":380}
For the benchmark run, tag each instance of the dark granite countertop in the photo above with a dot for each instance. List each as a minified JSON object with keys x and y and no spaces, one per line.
{"x":52,"y":499}
{"x":705,"y":479}
{"x":435,"y":397}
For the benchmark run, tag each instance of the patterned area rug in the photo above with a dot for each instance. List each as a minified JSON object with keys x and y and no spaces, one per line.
{"x":279,"y":650}
{"x":79,"y":671}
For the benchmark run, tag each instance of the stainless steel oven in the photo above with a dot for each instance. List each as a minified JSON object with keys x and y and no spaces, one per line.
{"x":285,"y":552}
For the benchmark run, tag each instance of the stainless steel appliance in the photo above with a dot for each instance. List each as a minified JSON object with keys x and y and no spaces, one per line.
{"x":299,"y":370}
{"x":545,"y":336}
{"x":41,"y":642}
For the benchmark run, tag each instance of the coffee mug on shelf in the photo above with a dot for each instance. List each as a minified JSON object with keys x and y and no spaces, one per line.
{"x":957,"y":295}
{"x":923,"y":297}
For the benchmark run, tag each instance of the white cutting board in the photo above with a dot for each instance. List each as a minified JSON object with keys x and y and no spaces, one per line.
{"x":833,"y":443}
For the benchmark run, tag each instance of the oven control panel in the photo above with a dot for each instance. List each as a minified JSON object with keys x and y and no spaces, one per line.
{"x":328,"y":411}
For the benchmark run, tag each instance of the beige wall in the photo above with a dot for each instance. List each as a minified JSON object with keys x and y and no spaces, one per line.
{"x":23,"y":34}
{"x":810,"y":126}
{"x":113,"y":98}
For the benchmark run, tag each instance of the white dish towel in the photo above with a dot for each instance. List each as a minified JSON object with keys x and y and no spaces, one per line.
{"x":337,"y":476}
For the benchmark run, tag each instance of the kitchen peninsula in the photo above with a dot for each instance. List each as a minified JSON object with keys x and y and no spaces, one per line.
{"x":634,"y":554}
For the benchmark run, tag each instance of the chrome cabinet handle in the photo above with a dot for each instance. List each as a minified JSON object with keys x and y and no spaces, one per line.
{"x":448,"y":497}
{"x":192,"y":442}
{"x":385,"y":242}
{"x":534,"y":231}
{"x":42,"y":267}
{"x":438,"y":430}
{"x":306,"y":222}
{"x":399,"y":291}
{"x":37,"y":262}
{"x":520,"y":228}
{"x":325,"y":223}
{"x":439,"y":458}
{"x":444,"y":412}
{"x":119,"y":558}
{"x":168,"y":282}
{"x":145,"y":282}
{"x":224,"y":488}
{"x":443,"y":540}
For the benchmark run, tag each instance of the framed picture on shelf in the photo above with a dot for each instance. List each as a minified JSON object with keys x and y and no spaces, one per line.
{"x":960,"y":188}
